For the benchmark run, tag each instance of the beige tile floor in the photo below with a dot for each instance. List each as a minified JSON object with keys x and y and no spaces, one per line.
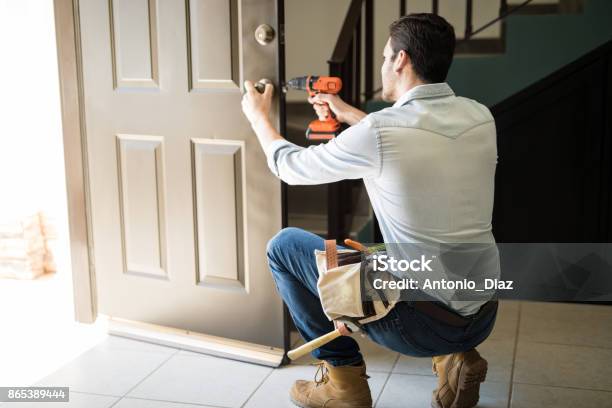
{"x":540,"y":355}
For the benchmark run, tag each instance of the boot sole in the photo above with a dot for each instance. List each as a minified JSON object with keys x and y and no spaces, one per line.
{"x":468,"y":390}
{"x":299,"y":404}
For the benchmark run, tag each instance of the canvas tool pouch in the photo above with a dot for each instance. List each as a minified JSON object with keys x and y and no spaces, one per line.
{"x":340,"y":288}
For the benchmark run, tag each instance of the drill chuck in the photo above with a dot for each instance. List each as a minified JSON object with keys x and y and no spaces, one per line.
{"x":299,"y":83}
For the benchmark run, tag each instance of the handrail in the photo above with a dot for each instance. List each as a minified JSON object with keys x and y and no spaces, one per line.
{"x":345,"y":62}
{"x":369,"y":49}
{"x":504,"y":12}
{"x":346,"y":32}
{"x":468,"y":19}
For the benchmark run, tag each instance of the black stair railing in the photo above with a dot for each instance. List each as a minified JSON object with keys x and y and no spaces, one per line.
{"x":468,"y":19}
{"x":346,"y":61}
{"x":504,"y":11}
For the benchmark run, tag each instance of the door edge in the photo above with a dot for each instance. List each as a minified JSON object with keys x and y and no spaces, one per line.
{"x":67,"y":33}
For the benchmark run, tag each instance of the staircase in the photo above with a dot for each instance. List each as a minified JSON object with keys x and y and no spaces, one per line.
{"x":535,"y":46}
{"x":554,"y":142}
{"x":308,"y":205}
{"x":517,"y":44}
{"x":490,"y":37}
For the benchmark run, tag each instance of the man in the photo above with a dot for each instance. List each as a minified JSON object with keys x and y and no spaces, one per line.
{"x":428,"y":163}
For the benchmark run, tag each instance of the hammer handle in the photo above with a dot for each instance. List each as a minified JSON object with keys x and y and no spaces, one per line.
{"x":313,"y":344}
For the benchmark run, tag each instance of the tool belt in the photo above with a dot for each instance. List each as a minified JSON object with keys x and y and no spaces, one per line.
{"x":341,"y":290}
{"x":437,"y":311}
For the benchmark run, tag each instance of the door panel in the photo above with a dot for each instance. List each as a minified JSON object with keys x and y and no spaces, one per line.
{"x":212,"y":44}
{"x":182,"y":201}
{"x":141,"y":195}
{"x":134,"y":43}
{"x":220,"y":213}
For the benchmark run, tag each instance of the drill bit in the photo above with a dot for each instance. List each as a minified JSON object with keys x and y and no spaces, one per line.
{"x":298,"y":83}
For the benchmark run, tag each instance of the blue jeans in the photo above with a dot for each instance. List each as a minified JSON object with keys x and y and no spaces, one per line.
{"x":404,"y":329}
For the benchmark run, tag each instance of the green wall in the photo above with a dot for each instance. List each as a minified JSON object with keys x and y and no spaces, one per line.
{"x":536,"y":45}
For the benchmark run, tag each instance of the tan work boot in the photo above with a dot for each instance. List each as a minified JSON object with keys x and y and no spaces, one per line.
{"x":459,"y":378}
{"x":337,"y":387}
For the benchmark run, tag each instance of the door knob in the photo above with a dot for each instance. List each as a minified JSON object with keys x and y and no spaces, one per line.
{"x":260,"y":86}
{"x":264,"y":34}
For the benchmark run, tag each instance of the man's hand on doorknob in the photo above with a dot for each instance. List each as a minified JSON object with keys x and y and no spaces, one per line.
{"x":256,"y":106}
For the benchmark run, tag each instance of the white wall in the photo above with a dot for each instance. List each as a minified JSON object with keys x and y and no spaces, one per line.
{"x":311,"y":30}
{"x":312,"y":27}
{"x":31,"y":149}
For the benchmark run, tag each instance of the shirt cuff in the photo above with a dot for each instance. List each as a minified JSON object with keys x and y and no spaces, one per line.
{"x":271,"y":154}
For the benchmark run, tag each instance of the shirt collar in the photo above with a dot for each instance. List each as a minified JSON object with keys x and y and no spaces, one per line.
{"x":425,"y":91}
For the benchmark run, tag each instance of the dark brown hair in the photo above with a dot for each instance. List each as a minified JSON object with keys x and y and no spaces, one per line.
{"x":429,"y":41}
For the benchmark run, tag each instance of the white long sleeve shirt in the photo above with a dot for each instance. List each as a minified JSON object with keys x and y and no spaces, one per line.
{"x":428,"y":164}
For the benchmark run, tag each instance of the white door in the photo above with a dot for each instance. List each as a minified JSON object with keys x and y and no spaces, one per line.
{"x":182,"y":202}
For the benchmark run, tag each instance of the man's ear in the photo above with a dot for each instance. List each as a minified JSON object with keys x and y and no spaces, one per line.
{"x":402,"y":60}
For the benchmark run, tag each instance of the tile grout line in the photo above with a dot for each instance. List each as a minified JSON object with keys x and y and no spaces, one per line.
{"x":516,"y":337}
{"x":258,"y":387}
{"x":95,"y":393}
{"x":175,"y":402}
{"x":387,"y":379}
{"x":147,"y":376}
{"x":564,"y":387}
{"x":568,"y":344}
{"x":418,"y":375}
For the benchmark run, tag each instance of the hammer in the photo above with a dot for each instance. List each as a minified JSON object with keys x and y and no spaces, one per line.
{"x":341,"y":330}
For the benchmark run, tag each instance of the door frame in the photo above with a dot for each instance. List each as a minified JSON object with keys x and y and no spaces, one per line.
{"x":67,"y":28}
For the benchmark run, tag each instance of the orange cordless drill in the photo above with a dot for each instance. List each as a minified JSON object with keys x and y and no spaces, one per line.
{"x":319,"y":129}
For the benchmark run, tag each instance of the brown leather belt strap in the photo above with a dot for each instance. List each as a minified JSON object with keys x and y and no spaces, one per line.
{"x":331,"y":253}
{"x":453,"y":319}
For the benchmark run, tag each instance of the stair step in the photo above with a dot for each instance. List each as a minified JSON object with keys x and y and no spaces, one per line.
{"x":488,"y":46}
